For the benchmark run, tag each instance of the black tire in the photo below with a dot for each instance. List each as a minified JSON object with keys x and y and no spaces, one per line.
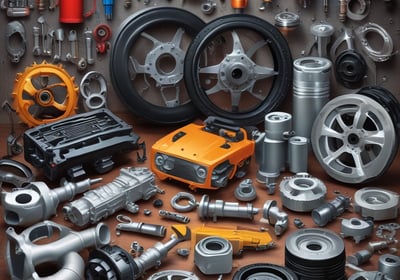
{"x":130,"y":42}
{"x":214,"y":45}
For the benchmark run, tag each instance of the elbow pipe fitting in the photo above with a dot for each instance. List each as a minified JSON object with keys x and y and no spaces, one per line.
{"x":329,"y":211}
{"x":36,"y":202}
{"x":73,"y":268}
{"x":275,"y":216}
{"x":23,"y":255}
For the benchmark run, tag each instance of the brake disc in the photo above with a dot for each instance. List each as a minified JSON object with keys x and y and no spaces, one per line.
{"x":354,"y":138}
{"x":44,"y":93}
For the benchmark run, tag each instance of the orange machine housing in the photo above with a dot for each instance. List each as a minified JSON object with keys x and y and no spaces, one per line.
{"x":203,"y":156}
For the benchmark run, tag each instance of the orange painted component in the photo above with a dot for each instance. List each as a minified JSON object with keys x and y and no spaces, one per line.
{"x":240,"y":239}
{"x":44,"y":93}
{"x":239,"y":4}
{"x":203,"y":156}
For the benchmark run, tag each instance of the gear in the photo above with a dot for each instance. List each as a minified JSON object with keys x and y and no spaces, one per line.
{"x":44,"y":93}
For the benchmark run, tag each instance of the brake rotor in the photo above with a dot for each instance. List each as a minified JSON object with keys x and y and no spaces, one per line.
{"x":44,"y":93}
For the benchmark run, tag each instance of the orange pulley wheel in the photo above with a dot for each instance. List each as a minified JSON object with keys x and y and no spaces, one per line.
{"x":44,"y":93}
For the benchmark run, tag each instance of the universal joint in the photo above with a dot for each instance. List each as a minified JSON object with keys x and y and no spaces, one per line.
{"x":23,"y":255}
{"x":329,"y":211}
{"x":36,"y":202}
{"x":220,"y":208}
{"x":275,"y":216}
{"x":130,"y":186}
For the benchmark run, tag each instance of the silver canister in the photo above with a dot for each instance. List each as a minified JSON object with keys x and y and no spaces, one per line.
{"x":311,"y":87}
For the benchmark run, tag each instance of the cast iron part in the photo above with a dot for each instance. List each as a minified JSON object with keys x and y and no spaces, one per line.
{"x":68,"y":145}
{"x":23,"y":255}
{"x":113,"y":262}
{"x":37,"y":202}
{"x":331,"y":210}
{"x":133,"y":184}
{"x":264,"y":271}
{"x":238,"y":86}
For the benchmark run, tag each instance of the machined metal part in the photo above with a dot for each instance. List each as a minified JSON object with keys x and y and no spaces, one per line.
{"x":46,"y":50}
{"x":362,"y":11}
{"x":342,"y":10}
{"x":315,"y":254}
{"x":11,"y":171}
{"x":377,"y":203}
{"x":348,"y":135}
{"x":240,"y":239}
{"x":322,"y":36}
{"x":387,"y":231}
{"x":36,"y":51}
{"x":356,"y":228}
{"x":44,"y":93}
{"x":276,"y":217}
{"x":59,"y":38}
{"x":287,"y":20}
{"x":89,"y":46}
{"x":363,"y":32}
{"x":126,"y":224}
{"x":311,"y":91}
{"x":208,"y":7}
{"x":113,"y":262}
{"x":191,"y":202}
{"x":359,"y":257}
{"x":219,"y":208}
{"x":369,"y":275}
{"x":68,"y":146}
{"x":271,"y":148}
{"x":350,"y":69}
{"x":298,"y":154}
{"x":174,"y":216}
{"x":13,"y":145}
{"x":213,"y":255}
{"x":133,"y":184}
{"x":183,"y":252}
{"x":37,"y":202}
{"x":376,"y":246}
{"x":264,"y":271}
{"x":15,"y":41}
{"x":245,"y":191}
{"x":389,"y":265}
{"x":331,"y":210}
{"x":302,"y":192}
{"x":93,"y":89}
{"x":23,"y":255}
{"x":173,"y":274}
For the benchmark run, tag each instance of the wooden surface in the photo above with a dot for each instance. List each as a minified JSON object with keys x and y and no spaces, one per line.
{"x":150,"y":133}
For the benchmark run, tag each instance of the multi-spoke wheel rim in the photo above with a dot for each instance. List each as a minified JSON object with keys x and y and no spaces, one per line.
{"x":146,"y":64}
{"x":354,"y":138}
{"x":239,"y":67}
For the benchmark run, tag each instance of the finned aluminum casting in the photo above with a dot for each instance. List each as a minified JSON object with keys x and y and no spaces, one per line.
{"x":356,"y":228}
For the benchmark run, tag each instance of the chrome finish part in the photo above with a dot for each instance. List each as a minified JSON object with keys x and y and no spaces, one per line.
{"x":208,"y":7}
{"x":377,"y":203}
{"x":356,"y":228}
{"x":298,"y":154}
{"x":322,"y":33}
{"x":173,"y":275}
{"x":302,"y":192}
{"x":389,"y":265}
{"x":311,"y":88}
{"x":126,"y":224}
{"x":386,"y":50}
{"x":387,"y":231}
{"x":213,"y":255}
{"x":220,"y":208}
{"x":174,"y":216}
{"x":245,"y":191}
{"x":23,"y":255}
{"x":361,"y":13}
{"x":287,"y":20}
{"x":330,"y":210}
{"x":37,"y":202}
{"x":359,"y":257}
{"x":275,"y":217}
{"x":8,"y":176}
{"x":354,"y":138}
{"x":192,"y":204}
